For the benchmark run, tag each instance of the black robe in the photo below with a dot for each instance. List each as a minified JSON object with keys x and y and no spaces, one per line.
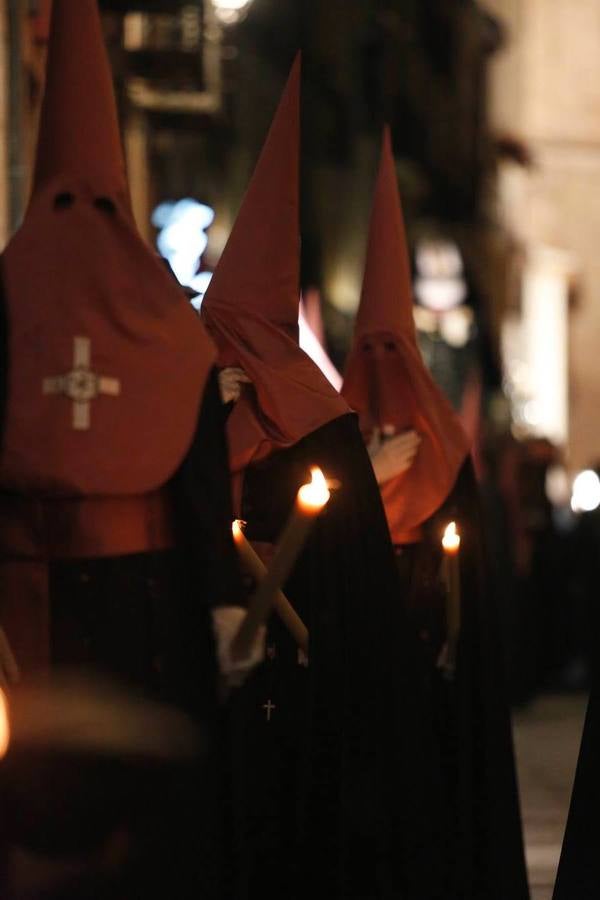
{"x":579,"y":869}
{"x":485,"y":844}
{"x":335,"y":785}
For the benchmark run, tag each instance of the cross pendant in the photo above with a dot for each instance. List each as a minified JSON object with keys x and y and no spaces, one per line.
{"x":269,"y":707}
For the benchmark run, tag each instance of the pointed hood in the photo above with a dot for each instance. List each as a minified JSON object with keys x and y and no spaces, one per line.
{"x":386,"y":300}
{"x":260,"y":266}
{"x":101,"y":338}
{"x":251,"y":307}
{"x":79,"y":129}
{"x":386,"y":380}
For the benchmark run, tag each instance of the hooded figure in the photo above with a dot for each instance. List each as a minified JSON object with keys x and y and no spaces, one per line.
{"x":387,"y":383}
{"x":115,"y":511}
{"x":334,"y":782}
{"x":579,"y":872}
{"x":579,"y":869}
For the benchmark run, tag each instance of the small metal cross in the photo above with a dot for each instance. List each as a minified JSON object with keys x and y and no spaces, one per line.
{"x":269,"y":707}
{"x":81,"y":384}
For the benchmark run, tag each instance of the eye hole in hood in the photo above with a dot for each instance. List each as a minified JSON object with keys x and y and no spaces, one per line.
{"x":106,"y":205}
{"x":64,"y":200}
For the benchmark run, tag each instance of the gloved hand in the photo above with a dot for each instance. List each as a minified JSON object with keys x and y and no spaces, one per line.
{"x":9,"y":670}
{"x":394,"y":455}
{"x":230,"y":384}
{"x":226,"y":623}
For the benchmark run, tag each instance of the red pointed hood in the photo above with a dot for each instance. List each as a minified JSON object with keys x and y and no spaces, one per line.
{"x":386,"y":301}
{"x":79,"y":129}
{"x":386,"y":380}
{"x":252,"y":303}
{"x":108,"y":361}
{"x":259,"y":269}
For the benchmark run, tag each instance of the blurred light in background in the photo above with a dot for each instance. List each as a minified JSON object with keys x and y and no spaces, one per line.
{"x":535,"y":348}
{"x":586,"y":492}
{"x":342,"y":288}
{"x":456,"y":326}
{"x":558,"y":487}
{"x":439,"y":283}
{"x":182,"y":239}
{"x":4,"y":725}
{"x":311,"y":345}
{"x":545,"y":304}
{"x":230,"y":11}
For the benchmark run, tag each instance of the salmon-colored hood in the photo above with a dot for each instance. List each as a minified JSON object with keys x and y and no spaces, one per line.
{"x":107,"y":360}
{"x":252,"y":303}
{"x":386,"y":380}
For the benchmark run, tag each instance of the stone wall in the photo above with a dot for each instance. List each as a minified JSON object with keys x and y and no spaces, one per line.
{"x":546,"y":90}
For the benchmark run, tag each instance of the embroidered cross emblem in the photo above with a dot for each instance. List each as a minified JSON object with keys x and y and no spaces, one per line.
{"x":81,"y":384}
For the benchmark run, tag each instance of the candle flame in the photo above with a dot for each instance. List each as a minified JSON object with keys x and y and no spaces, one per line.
{"x":4,"y":725}
{"x":315,"y":495}
{"x":237,"y":529}
{"x":451,"y":539}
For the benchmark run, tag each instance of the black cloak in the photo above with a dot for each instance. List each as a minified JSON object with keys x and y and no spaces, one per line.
{"x":579,"y":868}
{"x":486,"y":859}
{"x":335,"y":784}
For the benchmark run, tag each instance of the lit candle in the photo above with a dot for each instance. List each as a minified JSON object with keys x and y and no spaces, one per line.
{"x":4,"y":725}
{"x":311,"y":499}
{"x":254,"y":566}
{"x":451,"y":545}
{"x":9,"y":669}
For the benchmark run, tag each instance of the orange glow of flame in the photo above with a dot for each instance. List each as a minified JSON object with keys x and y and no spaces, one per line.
{"x":4,"y":725}
{"x":237,"y":529}
{"x":314,"y":496}
{"x":451,"y":539}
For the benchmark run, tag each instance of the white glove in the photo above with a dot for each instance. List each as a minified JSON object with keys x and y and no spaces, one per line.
{"x":9,"y":670}
{"x":394,"y":455}
{"x":226,"y":624}
{"x":231,"y":381}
